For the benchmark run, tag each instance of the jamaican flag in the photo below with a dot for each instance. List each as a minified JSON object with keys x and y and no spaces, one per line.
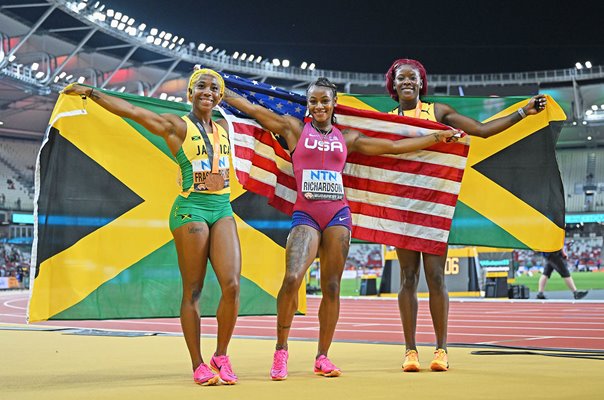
{"x":102,"y":246}
{"x":511,"y":194}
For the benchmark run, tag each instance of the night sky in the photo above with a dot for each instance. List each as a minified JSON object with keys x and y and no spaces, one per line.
{"x":366,"y":36}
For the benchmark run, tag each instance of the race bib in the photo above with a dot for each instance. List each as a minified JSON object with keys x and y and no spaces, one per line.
{"x":201,"y":170}
{"x":320,"y":184}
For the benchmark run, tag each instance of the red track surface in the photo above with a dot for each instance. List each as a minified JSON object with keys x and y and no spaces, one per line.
{"x":567,"y":325}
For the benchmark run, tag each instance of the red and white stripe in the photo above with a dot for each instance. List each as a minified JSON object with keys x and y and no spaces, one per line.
{"x":405,"y":200}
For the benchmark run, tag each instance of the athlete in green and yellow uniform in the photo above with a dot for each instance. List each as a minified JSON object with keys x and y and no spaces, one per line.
{"x":196,"y":202}
{"x":406,"y":81}
{"x":201,"y":219}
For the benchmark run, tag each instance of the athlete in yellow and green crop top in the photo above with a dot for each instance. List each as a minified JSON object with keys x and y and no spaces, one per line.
{"x":201,"y":220}
{"x":196,"y":202}
{"x":406,"y":81}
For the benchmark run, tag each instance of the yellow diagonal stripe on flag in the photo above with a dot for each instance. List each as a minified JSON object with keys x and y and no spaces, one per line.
{"x":351,"y":101}
{"x":125,"y":240}
{"x":498,"y":204}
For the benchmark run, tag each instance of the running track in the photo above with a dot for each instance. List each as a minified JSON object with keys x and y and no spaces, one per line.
{"x":552,"y":324}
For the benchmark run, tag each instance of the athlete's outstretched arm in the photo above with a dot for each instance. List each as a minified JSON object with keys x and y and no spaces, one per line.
{"x":356,"y":141}
{"x":288,"y":127}
{"x":447,"y":115}
{"x":163,"y":125}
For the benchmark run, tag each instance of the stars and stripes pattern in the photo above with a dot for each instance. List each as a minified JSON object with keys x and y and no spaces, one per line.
{"x":405,"y":200}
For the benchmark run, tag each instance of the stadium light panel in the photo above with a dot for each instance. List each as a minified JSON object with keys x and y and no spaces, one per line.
{"x":110,"y":13}
{"x":201,"y":46}
{"x":124,"y":18}
{"x":578,"y":65}
{"x":276,"y":62}
{"x":81,"y":79}
{"x":39,"y":75}
{"x":587,"y":64}
{"x":235,"y":55}
{"x":163,"y":96}
{"x":35,"y":66}
{"x":311,"y":66}
{"x":118,"y":15}
{"x":285,"y":63}
{"x":168,"y":36}
{"x":258,"y":59}
{"x":153,"y":31}
{"x":304,"y":65}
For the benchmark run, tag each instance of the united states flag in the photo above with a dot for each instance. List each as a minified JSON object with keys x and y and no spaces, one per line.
{"x":405,"y":200}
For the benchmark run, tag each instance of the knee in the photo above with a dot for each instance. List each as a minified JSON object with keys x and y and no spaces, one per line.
{"x":331,"y":289}
{"x":436,"y":280}
{"x":409,"y":280}
{"x":230,"y":290}
{"x":191,"y":294}
{"x":291,"y":282}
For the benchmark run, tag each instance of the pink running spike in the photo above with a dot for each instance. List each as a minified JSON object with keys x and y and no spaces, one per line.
{"x":279,"y":369}
{"x":326,"y":368}
{"x":222,"y":366}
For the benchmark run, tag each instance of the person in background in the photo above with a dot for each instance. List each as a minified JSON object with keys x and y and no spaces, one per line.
{"x":557,"y":261}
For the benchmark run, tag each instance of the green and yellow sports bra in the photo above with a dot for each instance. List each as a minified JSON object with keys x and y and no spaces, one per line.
{"x":195,"y":164}
{"x":423,"y":110}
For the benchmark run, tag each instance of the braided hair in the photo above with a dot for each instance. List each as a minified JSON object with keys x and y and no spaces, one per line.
{"x":392,"y":72}
{"x":324,"y":82}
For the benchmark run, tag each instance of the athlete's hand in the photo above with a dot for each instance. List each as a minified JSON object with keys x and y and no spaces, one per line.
{"x":450,"y":136}
{"x":535,"y":105}
{"x":75,"y":89}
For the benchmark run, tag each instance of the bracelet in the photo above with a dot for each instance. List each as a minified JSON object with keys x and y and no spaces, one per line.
{"x":522,"y":113}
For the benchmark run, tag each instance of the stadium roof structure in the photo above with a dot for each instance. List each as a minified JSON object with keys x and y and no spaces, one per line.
{"x":45,"y":45}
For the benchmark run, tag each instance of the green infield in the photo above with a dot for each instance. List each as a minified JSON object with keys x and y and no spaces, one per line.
{"x":583,"y":281}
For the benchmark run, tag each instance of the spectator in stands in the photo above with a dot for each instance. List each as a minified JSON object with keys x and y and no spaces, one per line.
{"x":201,"y":219}
{"x":557,"y":261}
{"x":321,"y":223}
{"x":406,"y":81}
